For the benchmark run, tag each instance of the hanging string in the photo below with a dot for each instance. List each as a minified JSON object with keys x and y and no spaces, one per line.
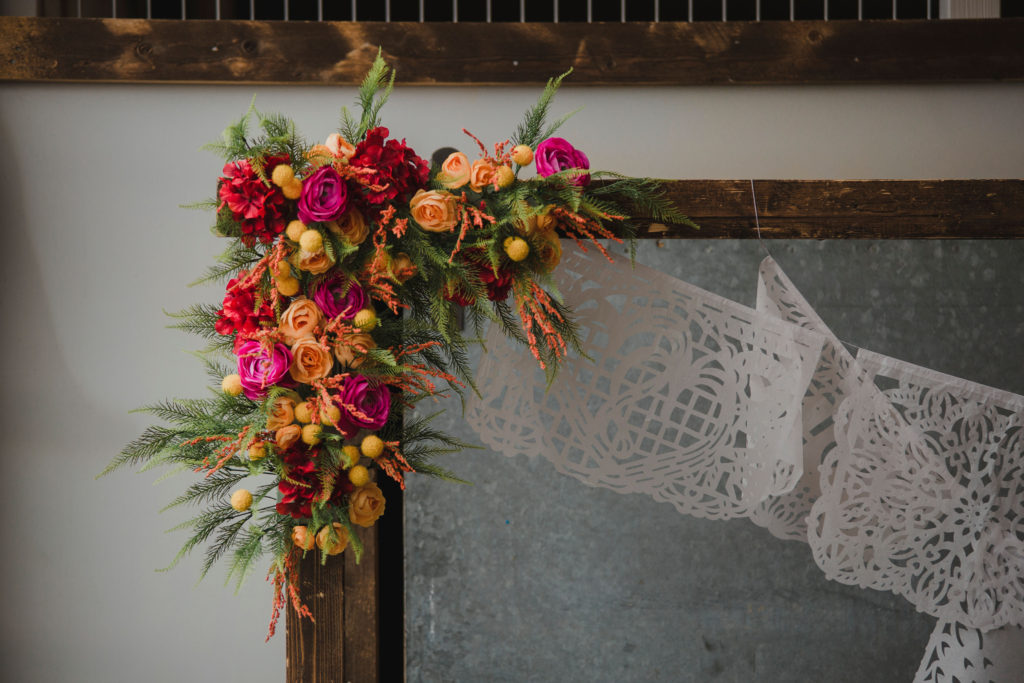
{"x":757,"y":220}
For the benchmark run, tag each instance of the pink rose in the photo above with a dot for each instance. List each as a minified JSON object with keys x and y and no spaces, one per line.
{"x":363,"y":405}
{"x":259,"y":369}
{"x":324,"y":197}
{"x":556,"y":154}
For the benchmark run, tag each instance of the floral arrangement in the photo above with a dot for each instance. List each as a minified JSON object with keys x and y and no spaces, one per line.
{"x":344,"y":264}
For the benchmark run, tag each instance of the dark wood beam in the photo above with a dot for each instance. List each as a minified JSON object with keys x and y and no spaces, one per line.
{"x":670,"y":53}
{"x":849,"y":209}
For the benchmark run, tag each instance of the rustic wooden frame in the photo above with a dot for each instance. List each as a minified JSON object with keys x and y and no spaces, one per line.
{"x":667,"y":53}
{"x":358,"y":632}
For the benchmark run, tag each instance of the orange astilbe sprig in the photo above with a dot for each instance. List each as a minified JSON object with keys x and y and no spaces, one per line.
{"x":270,"y":259}
{"x":377,"y":274}
{"x":500,"y":157}
{"x":394,"y":463}
{"x":535,"y":308}
{"x":286,"y":576}
{"x":576,"y":226}
{"x":222,"y":454}
{"x":469,"y":217}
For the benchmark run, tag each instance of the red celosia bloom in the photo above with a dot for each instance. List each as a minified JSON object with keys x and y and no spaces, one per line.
{"x":398,"y":172}
{"x":239,"y":313}
{"x":259,"y":208}
{"x":297,"y":498}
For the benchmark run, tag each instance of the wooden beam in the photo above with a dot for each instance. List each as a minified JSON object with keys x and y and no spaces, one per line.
{"x":669,"y":53}
{"x":849,"y":209}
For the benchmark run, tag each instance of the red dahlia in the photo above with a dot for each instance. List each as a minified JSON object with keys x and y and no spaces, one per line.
{"x":397,"y":171}
{"x":259,"y":208}
{"x":302,"y":486}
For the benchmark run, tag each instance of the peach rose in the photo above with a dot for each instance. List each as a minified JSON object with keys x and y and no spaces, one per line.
{"x":350,"y":348}
{"x":314,"y":263}
{"x":402,"y":267}
{"x":299,"y":320}
{"x":481,"y":174}
{"x":352,"y":227}
{"x":434,"y":211}
{"x":549,"y":251}
{"x":332,"y":544}
{"x":339,"y":146}
{"x":286,"y":436}
{"x":366,"y":505}
{"x":454,"y":171}
{"x":282,"y":413}
{"x":309,"y":361}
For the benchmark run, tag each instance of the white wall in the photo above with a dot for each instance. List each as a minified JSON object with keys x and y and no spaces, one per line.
{"x":96,"y":247}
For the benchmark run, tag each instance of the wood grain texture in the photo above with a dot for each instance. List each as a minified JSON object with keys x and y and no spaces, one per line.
{"x":848,"y":209}
{"x":315,"y":651}
{"x":362,"y":605}
{"x":669,"y":53}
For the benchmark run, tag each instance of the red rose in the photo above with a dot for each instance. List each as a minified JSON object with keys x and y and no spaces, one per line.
{"x":397,"y":171}
{"x":260,"y":209}
{"x":239,"y":314}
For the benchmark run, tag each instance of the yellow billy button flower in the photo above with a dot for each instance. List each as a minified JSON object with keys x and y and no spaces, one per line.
{"x":516,"y":248}
{"x":257,"y":451}
{"x":292,"y":190}
{"x":365,"y":319}
{"x":522,"y":155}
{"x":311,"y":434}
{"x":335,"y":543}
{"x":504,"y":176}
{"x":295,"y":230}
{"x":282,"y":175}
{"x":331,"y":415}
{"x":304,"y":412}
{"x":231,"y":385}
{"x":359,"y":475}
{"x":351,"y":456}
{"x":311,"y":241}
{"x":241,"y":500}
{"x":372,"y":446}
{"x":302,"y":538}
{"x":288,"y":286}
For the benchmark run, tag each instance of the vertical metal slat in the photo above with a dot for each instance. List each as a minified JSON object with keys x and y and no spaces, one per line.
{"x":455,"y":11}
{"x":689,"y":10}
{"x":725,"y":10}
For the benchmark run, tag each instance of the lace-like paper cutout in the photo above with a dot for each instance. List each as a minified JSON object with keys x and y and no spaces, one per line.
{"x":924,"y":495}
{"x":690,"y":398}
{"x":958,"y":654}
{"x":835,"y":376}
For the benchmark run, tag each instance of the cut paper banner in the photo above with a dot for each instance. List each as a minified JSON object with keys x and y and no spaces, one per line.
{"x":958,"y":653}
{"x":688,"y":397}
{"x":835,"y":376}
{"x":924,"y":495}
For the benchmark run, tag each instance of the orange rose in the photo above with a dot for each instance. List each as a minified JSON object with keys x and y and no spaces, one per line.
{"x":282,"y":413}
{"x":352,"y":227}
{"x":454,"y":171}
{"x":335,"y":543}
{"x":481,"y":174}
{"x":350,"y":348}
{"x":339,"y":146}
{"x":286,"y":436}
{"x":549,"y":251}
{"x":546,"y":221}
{"x":366,"y":505}
{"x":309,"y":361}
{"x":299,"y":320}
{"x":434,"y":211}
{"x":314,"y":263}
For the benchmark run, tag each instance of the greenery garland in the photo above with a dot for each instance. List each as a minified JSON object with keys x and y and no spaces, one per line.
{"x":345,"y":262}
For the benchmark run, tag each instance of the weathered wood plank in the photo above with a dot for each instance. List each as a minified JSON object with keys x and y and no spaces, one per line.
{"x":362,"y":611}
{"x":668,"y":53}
{"x":849,"y":209}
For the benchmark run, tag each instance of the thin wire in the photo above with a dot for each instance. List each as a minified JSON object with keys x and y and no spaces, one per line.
{"x":757,"y":219}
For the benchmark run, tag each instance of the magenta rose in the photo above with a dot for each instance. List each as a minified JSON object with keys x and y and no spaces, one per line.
{"x":555,"y":154}
{"x":339,"y":296}
{"x":260,"y":370}
{"x":363,"y":405}
{"x":324,"y":197}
